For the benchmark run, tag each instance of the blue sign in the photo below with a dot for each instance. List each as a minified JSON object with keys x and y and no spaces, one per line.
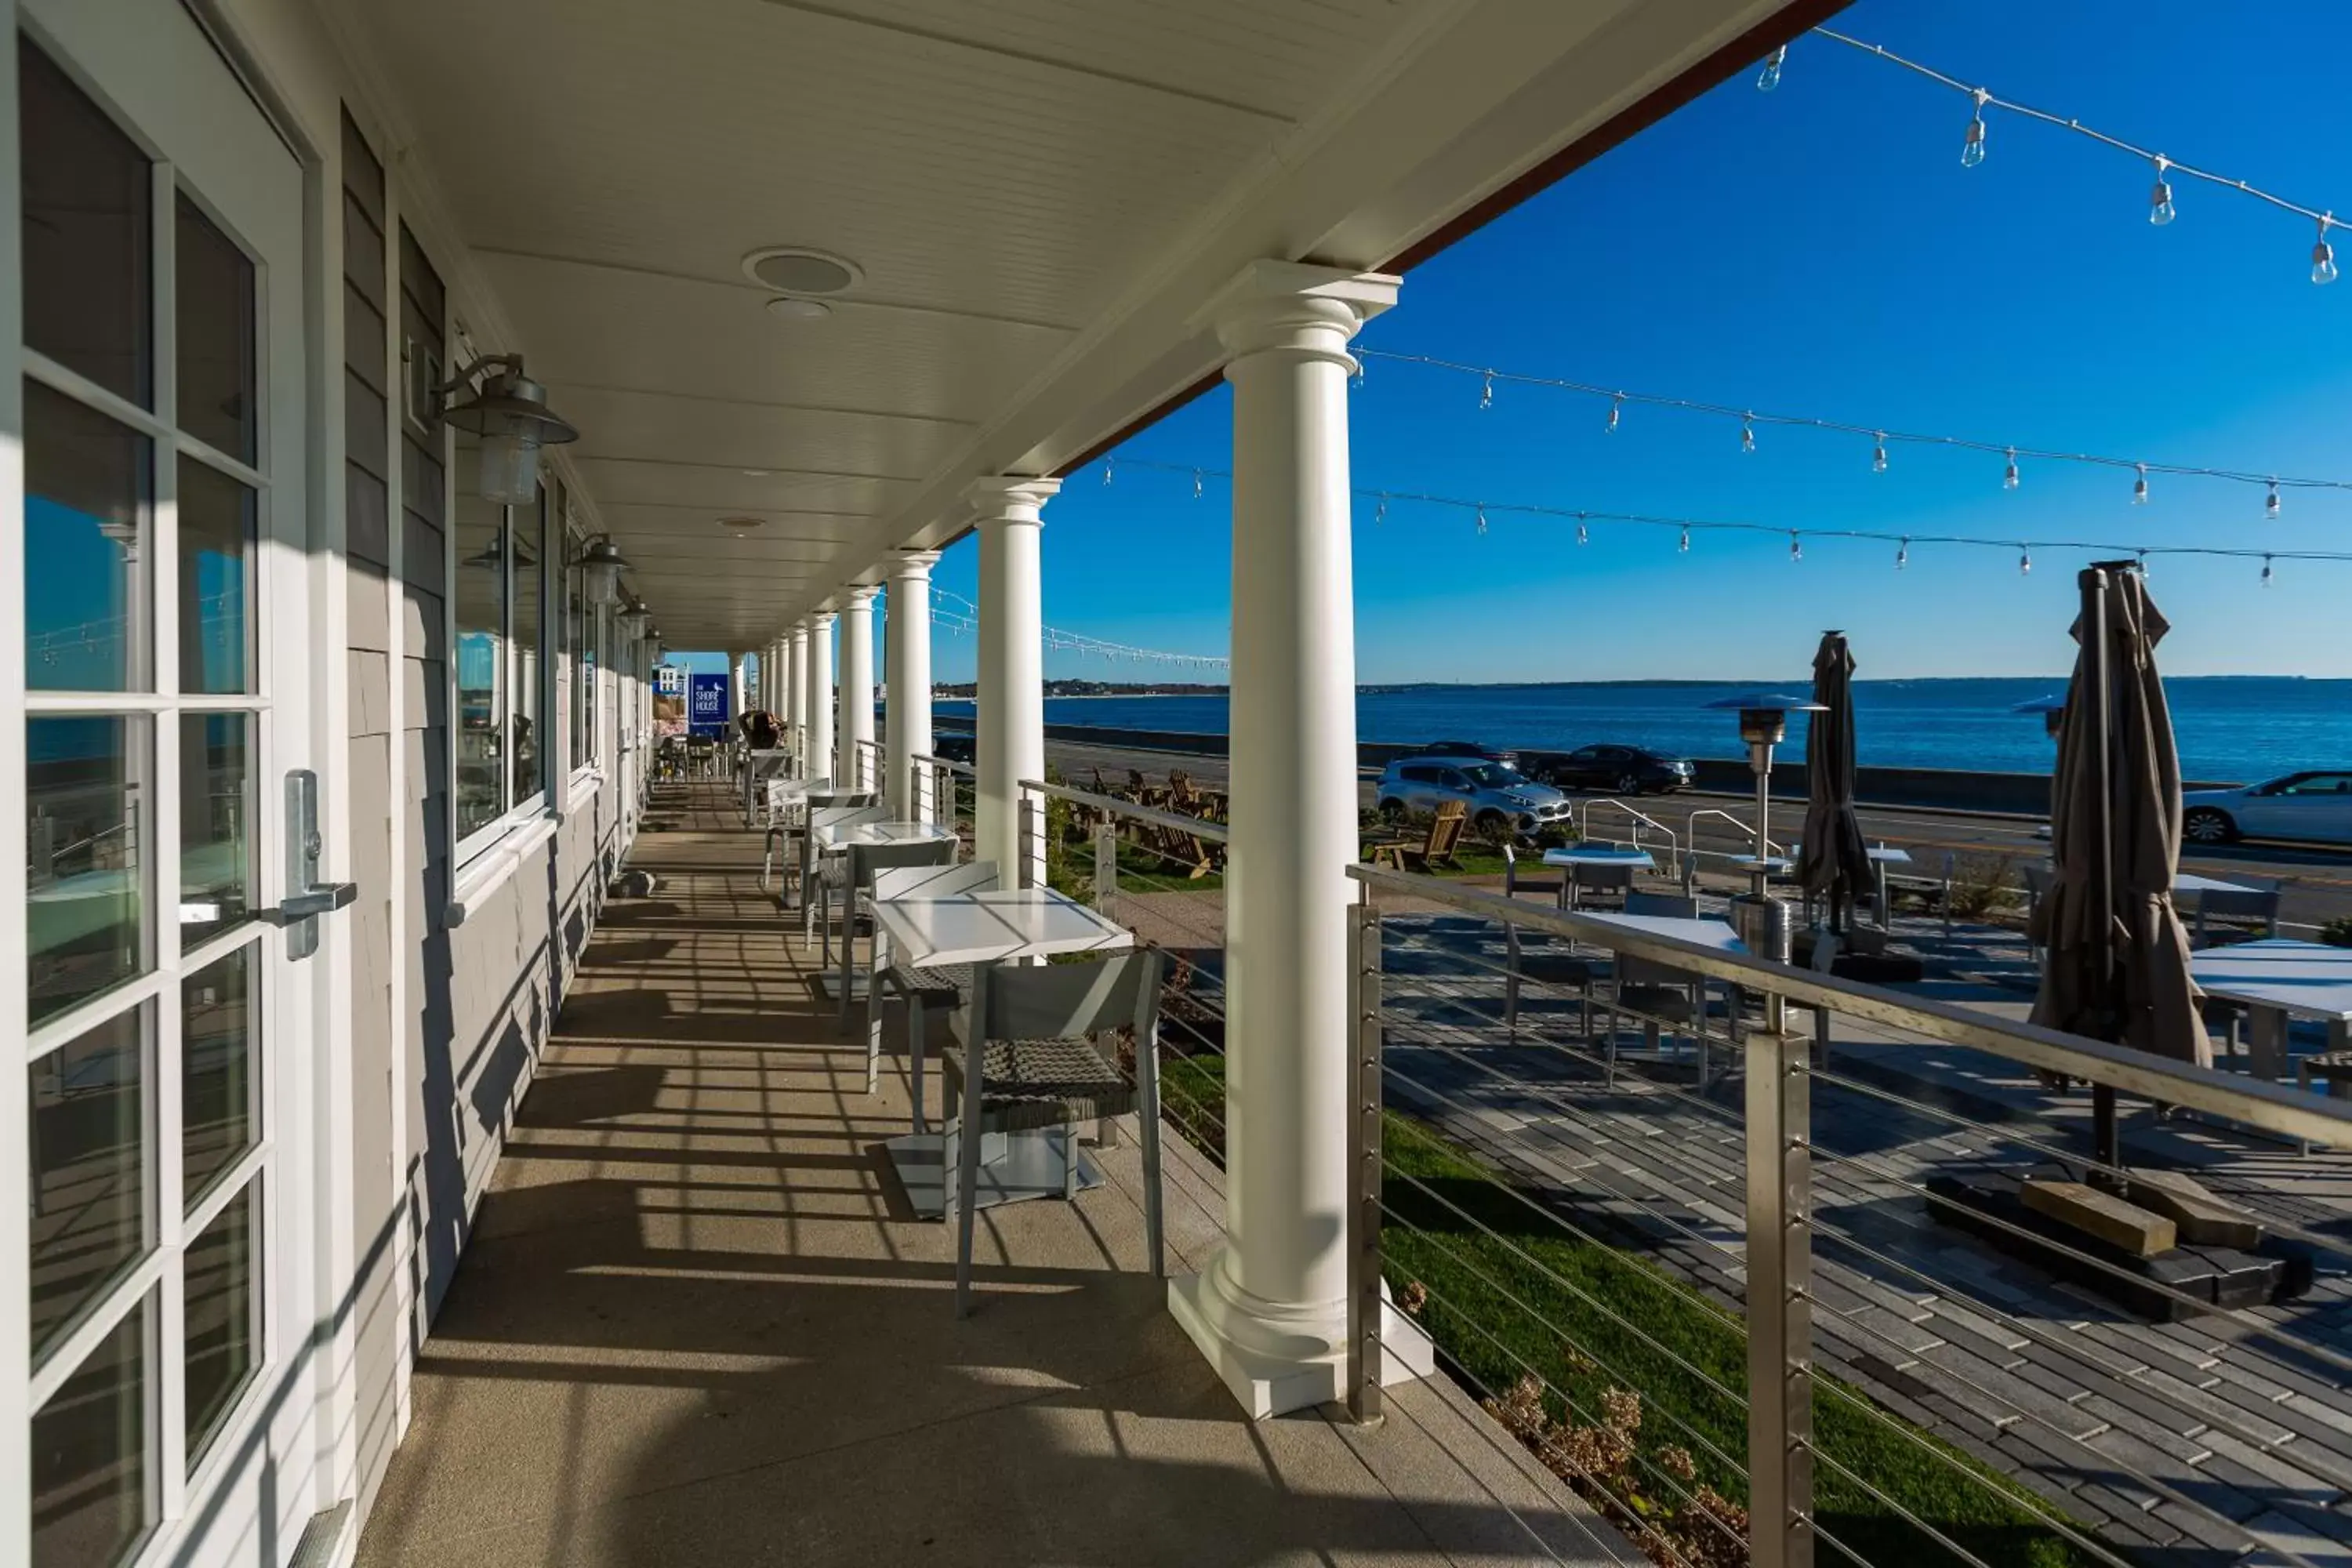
{"x":705,"y":704}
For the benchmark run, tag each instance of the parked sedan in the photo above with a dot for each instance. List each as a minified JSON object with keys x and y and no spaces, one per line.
{"x":1468,"y":752}
{"x":2314,"y":806}
{"x":1499,"y":797}
{"x":1621,"y":770}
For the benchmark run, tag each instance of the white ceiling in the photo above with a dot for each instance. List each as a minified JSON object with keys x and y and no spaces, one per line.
{"x":1039,"y":194}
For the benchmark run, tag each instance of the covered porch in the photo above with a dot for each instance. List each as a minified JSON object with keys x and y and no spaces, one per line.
{"x":695,"y":1322}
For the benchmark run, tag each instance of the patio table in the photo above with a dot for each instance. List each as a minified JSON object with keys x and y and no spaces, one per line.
{"x":2275,"y":980}
{"x":839,"y":838}
{"x":1574,"y":855}
{"x":1703,"y":931}
{"x":999,"y":926}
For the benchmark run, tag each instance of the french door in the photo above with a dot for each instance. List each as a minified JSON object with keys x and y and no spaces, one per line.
{"x":165,"y":583}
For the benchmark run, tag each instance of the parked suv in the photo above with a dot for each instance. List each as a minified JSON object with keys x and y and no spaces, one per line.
{"x":1498,"y":796}
{"x":1468,"y":752}
{"x":2314,"y":806}
{"x":1621,"y":770}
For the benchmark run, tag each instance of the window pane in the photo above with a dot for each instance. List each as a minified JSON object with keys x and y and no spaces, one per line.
{"x":88,"y":212}
{"x":216,"y":823}
{"x":574,"y":662}
{"x":218,"y":520}
{"x":218,"y":1302}
{"x":213,"y":282}
{"x":88,"y":481}
{"x":84,"y":867}
{"x":480,"y":630}
{"x":90,"y":1191}
{"x":528,"y":567}
{"x":218,"y":1035}
{"x":90,"y":1455}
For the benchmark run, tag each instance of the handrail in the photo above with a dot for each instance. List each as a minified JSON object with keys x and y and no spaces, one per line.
{"x":951,"y":765}
{"x":1639,"y":818}
{"x":1690,"y":825}
{"x":1199,"y":828}
{"x":2273,"y":1108}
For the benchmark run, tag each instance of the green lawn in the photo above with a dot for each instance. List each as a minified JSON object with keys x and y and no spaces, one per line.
{"x":1491,"y":1267}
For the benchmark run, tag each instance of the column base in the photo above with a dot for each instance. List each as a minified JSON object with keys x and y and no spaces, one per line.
{"x":1311,"y":1373}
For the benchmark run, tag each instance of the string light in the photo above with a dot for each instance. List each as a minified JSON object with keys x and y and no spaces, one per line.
{"x":1682,"y":546}
{"x":1878,"y":453}
{"x":1107,"y":464}
{"x":1769,"y":77}
{"x":2139,"y":487}
{"x":2160,"y":208}
{"x":2271,"y":505}
{"x":2266,"y":571}
{"x":961,"y":615}
{"x":2024,"y":562}
{"x":1486,"y":394}
{"x":2104,"y":548}
{"x":1382,"y":515}
{"x":1583,"y":538}
{"x":1482,"y":520}
{"x":1196,"y":484}
{"x":1748,"y":434}
{"x":1748,"y":418}
{"x":1903,"y":555}
{"x":2009,"y":475}
{"x":1796,"y":546}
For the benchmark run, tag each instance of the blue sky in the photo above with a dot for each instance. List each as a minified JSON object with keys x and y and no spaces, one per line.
{"x":1820,"y":250}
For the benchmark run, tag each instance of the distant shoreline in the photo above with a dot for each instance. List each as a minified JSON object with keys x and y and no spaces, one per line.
{"x":1097,"y":689}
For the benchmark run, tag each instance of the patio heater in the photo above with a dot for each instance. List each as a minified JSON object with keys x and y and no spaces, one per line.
{"x":1765,"y":923}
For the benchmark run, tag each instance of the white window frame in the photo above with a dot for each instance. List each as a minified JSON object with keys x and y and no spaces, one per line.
{"x":539,"y":806}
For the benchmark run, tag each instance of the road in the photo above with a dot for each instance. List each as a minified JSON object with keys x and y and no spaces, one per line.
{"x":2316,"y":883}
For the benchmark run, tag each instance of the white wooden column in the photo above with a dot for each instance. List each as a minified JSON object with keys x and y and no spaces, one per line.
{"x":796,"y":697}
{"x":817,"y":691}
{"x":908,"y":632}
{"x":1009,"y":740}
{"x":857,"y":687}
{"x":1270,"y":1308}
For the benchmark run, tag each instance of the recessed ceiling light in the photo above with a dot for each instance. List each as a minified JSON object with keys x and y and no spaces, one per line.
{"x":797,"y":269}
{"x":792,"y":308}
{"x":742,"y":524}
{"x":755,"y":473}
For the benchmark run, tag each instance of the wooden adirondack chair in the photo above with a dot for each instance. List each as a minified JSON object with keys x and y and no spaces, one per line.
{"x":1435,"y":849}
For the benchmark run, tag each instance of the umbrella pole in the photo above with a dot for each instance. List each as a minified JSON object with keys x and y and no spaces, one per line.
{"x":2103,"y":1096}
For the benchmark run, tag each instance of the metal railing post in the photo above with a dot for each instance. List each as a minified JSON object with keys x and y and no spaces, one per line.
{"x":1779,"y":1297}
{"x":1948,"y":863}
{"x":1364,"y":1297}
{"x":1105,"y":865}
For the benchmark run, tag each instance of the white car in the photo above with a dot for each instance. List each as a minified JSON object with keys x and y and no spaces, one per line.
{"x":2301,"y":806}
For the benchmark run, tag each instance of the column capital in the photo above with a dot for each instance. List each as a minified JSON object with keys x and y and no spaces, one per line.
{"x":1296,"y":308}
{"x":860,"y":595}
{"x":913,"y":565}
{"x":820,"y":621}
{"x":1011,"y":497}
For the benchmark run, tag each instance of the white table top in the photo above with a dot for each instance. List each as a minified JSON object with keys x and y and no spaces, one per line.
{"x":1776,"y":863}
{"x":991,"y":927}
{"x":2190,"y":882}
{"x":1597,"y":855}
{"x":836,"y":838}
{"x":2306,"y":978}
{"x":1885,"y":854}
{"x":1704,"y":932}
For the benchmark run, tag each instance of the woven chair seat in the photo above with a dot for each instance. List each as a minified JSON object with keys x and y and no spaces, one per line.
{"x":1041,"y":1083}
{"x":938,"y":980}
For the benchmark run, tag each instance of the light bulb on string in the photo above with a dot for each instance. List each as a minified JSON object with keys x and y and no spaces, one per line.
{"x":1903,"y":554}
{"x":1878,"y":454}
{"x":1972,"y":149}
{"x":1747,"y":433}
{"x":1583,"y":538}
{"x":1482,"y":520}
{"x":1796,"y":546}
{"x":2323,"y":255}
{"x":1381,"y":515}
{"x":2009,"y":475}
{"x":2271,"y":506}
{"x":1196,"y":484}
{"x":1107,"y":472}
{"x":1682,"y":547}
{"x":1616,"y":406}
{"x":2159,"y":200}
{"x":1769,"y":77}
{"x":1357,"y":377}
{"x":2024,"y":562}
{"x":2266,"y":571}
{"x":2140,"y":559}
{"x":2139,"y":486}
{"x":1486,"y":392}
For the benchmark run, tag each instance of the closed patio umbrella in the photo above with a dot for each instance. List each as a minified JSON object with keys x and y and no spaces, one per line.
{"x":1835,"y":860}
{"x":2117,"y":963}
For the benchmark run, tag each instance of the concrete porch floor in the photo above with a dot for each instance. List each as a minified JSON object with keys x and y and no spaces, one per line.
{"x":697,"y":1324}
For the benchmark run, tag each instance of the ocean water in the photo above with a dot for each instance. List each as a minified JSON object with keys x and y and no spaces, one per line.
{"x":2229,"y":728}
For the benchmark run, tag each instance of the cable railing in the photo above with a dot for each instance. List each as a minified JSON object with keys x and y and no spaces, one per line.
{"x":944,"y":792}
{"x":1752,"y":1307}
{"x":869,"y":765}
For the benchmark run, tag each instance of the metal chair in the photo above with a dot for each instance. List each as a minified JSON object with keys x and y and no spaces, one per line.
{"x":945,"y":985}
{"x":1026,"y":1059}
{"x":1516,"y":882}
{"x":2259,"y":904}
{"x":854,"y":874}
{"x":1586,"y":881}
{"x":1659,"y":993}
{"x":1535,"y":961}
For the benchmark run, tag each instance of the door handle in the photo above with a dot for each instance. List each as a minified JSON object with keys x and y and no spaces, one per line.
{"x":307,"y":898}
